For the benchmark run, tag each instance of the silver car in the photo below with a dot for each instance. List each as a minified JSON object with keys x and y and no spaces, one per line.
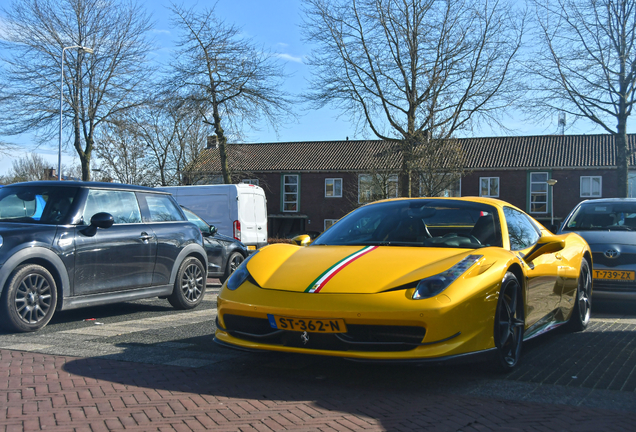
{"x":609,"y":227}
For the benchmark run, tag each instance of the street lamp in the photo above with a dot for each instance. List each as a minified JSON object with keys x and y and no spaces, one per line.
{"x":59,"y":152}
{"x":551,"y":183}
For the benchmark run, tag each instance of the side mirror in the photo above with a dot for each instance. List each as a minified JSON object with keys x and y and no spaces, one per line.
{"x":213,"y":230}
{"x":102,"y":220}
{"x":302,"y":240}
{"x":545,"y":245}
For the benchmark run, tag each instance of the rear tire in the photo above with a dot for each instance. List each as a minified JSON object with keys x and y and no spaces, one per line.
{"x":233,"y":263}
{"x":29,"y":299}
{"x":583,"y":306}
{"x":189,"y":287}
{"x":509,"y":324}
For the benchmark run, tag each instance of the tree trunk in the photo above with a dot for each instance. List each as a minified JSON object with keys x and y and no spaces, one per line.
{"x":622,"y":159}
{"x":221,"y":140}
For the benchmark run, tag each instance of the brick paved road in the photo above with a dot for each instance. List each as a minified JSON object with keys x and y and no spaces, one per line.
{"x":175,"y":378}
{"x":62,"y":393}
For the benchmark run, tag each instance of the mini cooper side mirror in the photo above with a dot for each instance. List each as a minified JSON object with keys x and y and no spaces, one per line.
{"x":545,"y":245}
{"x":102,"y":220}
{"x":302,"y":240}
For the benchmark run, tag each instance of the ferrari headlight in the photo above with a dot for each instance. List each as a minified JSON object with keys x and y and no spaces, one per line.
{"x":433,"y":285}
{"x":240,"y":275}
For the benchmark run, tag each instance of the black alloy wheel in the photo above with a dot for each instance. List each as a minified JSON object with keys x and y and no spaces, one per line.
{"x":582,"y":310}
{"x":189,"y":286}
{"x":509,"y":323}
{"x":29,"y":298}
{"x":233,"y":263}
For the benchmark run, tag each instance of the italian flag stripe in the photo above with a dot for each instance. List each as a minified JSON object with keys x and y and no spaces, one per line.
{"x":322,"y":280}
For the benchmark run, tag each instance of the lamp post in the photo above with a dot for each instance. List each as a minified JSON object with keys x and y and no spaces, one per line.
{"x":551,"y":183}
{"x":59,"y":152}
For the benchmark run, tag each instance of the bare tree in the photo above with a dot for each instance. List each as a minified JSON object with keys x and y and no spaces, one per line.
{"x":233,"y":81}
{"x":31,"y":167}
{"x":585,"y":66}
{"x":97,"y":86}
{"x":123,"y":155}
{"x":404,"y":68}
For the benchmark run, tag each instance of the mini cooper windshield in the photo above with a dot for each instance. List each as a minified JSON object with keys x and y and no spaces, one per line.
{"x":36,"y":204}
{"x":420,"y":222}
{"x":603,"y":216}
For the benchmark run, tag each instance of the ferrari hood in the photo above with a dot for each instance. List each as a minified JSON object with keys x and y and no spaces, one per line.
{"x":347,"y":269}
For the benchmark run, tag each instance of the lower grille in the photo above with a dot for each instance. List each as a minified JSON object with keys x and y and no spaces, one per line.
{"x":610,"y":285}
{"x":357,"y":338}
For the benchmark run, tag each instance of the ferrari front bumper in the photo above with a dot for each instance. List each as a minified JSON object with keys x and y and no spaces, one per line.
{"x":381,"y":326}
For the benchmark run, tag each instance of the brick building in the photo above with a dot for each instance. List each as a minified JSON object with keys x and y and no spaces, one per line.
{"x":309,"y":185}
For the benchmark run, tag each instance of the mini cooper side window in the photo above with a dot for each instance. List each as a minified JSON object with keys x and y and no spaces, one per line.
{"x":521,"y":231}
{"x":122,"y":205}
{"x":162,"y":208}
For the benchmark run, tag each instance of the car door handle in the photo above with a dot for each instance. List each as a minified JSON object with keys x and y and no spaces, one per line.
{"x":145,"y":237}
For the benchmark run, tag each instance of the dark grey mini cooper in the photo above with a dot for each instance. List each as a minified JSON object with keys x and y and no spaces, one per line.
{"x":66,"y":245}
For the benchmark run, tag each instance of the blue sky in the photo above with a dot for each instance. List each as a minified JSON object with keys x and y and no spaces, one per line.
{"x":275,"y":24}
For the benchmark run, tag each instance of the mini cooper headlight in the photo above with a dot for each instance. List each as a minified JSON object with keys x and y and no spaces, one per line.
{"x":240,"y":275}
{"x":433,"y":285}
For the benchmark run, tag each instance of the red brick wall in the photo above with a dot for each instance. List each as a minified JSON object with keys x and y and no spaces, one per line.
{"x":513,"y":188}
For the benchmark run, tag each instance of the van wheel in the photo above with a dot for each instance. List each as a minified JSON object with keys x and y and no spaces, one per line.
{"x":189,"y":287}
{"x":232,"y":264}
{"x":29,"y":299}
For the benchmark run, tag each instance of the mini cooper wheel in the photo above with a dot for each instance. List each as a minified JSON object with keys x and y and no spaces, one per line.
{"x":509,"y":324}
{"x":232,"y":264}
{"x":29,"y":298}
{"x":582,"y":310}
{"x":189,"y":287}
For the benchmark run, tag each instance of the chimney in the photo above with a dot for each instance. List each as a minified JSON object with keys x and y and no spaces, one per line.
{"x":213,"y":142}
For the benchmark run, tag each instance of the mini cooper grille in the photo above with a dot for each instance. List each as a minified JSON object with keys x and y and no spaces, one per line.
{"x":357,"y":338}
{"x":623,"y":259}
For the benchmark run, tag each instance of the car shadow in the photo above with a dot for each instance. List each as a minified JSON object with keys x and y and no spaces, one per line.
{"x":384,"y":394}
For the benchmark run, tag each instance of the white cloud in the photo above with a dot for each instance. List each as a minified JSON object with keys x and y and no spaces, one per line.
{"x":289,"y":57}
{"x":160,"y":31}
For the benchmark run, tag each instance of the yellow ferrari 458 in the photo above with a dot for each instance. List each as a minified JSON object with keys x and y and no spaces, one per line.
{"x":423,"y":279}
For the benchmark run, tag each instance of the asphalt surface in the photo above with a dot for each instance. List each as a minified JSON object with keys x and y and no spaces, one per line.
{"x":588,"y":378}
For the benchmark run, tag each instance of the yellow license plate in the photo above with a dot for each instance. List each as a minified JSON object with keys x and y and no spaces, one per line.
{"x":615,"y":275}
{"x":251,"y":247}
{"x":310,"y":325}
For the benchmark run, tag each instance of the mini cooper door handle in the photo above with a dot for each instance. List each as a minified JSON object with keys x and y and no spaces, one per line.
{"x":145,"y":237}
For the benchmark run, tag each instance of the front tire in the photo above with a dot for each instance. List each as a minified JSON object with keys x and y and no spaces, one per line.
{"x":29,"y":299}
{"x":509,"y":324}
{"x":233,"y":263}
{"x":583,"y":307}
{"x":189,"y":287}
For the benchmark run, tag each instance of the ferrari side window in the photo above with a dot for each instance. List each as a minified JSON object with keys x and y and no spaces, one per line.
{"x":521,"y":231}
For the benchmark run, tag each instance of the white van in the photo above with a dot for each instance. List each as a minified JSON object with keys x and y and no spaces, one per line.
{"x":237,"y":210}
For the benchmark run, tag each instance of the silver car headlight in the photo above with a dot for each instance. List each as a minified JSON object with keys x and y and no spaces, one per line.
{"x":433,"y":285}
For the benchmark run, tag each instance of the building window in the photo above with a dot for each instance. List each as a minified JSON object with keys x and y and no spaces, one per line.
{"x":290,"y":192}
{"x":329,"y":222}
{"x":250,"y":181}
{"x":489,"y":186}
{"x":451,"y":191}
{"x":333,"y":188}
{"x":374,"y":187}
{"x":631,"y":184}
{"x":591,"y":186}
{"x":539,"y":192}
